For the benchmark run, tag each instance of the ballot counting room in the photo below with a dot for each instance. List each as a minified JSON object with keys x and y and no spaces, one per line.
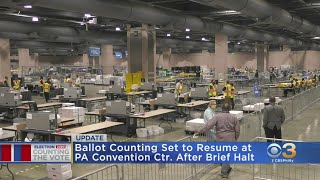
{"x":134,"y":74}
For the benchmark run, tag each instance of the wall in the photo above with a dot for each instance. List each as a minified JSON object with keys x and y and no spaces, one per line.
{"x":71,"y":60}
{"x":309,"y":60}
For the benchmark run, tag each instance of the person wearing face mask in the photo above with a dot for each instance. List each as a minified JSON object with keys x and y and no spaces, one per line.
{"x":273,"y":118}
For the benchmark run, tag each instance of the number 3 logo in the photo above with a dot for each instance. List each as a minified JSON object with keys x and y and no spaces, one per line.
{"x":290,"y":148}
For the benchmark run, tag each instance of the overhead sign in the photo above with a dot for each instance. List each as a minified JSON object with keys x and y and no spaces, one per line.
{"x":94,"y":51}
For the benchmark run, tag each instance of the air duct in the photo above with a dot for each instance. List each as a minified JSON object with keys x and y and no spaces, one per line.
{"x":138,"y":12}
{"x":264,"y":11}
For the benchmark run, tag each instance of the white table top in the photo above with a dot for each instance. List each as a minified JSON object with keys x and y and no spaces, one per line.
{"x":153,"y":113}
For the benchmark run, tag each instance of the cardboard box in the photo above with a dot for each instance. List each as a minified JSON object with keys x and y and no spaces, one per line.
{"x":59,"y":168}
{"x":195,"y":124}
{"x":60,"y":176}
{"x":237,"y":114}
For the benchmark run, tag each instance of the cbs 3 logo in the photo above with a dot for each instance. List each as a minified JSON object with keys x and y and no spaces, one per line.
{"x":274,"y":150}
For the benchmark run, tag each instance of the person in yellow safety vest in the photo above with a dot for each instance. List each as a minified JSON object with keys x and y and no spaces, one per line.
{"x":303,"y":84}
{"x":68,"y":80}
{"x":16,"y":84}
{"x":46,"y":89}
{"x":233,"y":93}
{"x":212,"y":92}
{"x":309,"y":83}
{"x":227,"y":89}
{"x":179,"y":87}
{"x":297,"y":86}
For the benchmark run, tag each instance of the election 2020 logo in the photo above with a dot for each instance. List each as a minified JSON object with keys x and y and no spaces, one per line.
{"x":282,"y":154}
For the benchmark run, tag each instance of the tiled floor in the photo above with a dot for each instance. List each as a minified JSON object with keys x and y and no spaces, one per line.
{"x":305,"y":128}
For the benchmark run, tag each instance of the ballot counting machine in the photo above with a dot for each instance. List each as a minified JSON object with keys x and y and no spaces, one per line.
{"x":148,"y":86}
{"x":166,"y":99}
{"x":199,"y":93}
{"x":10,"y":99}
{"x":41,"y":120}
{"x":115,"y":89}
{"x":120,"y":111}
{"x":4,"y":89}
{"x":119,"y":107}
{"x":72,"y":92}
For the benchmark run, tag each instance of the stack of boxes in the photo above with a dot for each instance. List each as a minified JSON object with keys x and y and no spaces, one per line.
{"x":59,"y":171}
{"x":76,"y":113}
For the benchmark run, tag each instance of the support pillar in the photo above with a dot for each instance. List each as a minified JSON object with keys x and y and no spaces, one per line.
{"x":4,"y":59}
{"x":166,"y":57}
{"x":141,"y":51}
{"x":34,"y":59}
{"x":24,"y":60}
{"x":107,"y":59}
{"x":262,"y":56}
{"x":221,"y":55}
{"x":85,"y":59}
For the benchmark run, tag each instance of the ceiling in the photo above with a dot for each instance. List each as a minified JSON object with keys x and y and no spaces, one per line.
{"x":14,"y":10}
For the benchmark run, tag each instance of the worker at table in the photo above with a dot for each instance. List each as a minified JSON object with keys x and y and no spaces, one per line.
{"x":227,"y":92}
{"x":16,"y":84}
{"x":46,"y":89}
{"x":78,"y":81}
{"x":297,"y":86}
{"x":68,"y":79}
{"x":233,"y":94}
{"x":179,"y":88}
{"x":212,"y":92}
{"x":6,"y":82}
{"x":303,"y":84}
{"x":309,"y":83}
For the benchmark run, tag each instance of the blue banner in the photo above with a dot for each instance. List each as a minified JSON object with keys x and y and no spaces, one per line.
{"x":188,"y":152}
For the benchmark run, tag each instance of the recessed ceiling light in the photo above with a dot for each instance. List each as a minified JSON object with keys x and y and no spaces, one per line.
{"x":168,"y":35}
{"x":87,"y":15}
{"x":27,"y":6}
{"x":238,"y":43}
{"x":157,"y":28}
{"x":35,"y":19}
{"x":316,"y":37}
{"x":118,"y":29}
{"x":188,"y":37}
{"x":203,"y":39}
{"x":187,"y":30}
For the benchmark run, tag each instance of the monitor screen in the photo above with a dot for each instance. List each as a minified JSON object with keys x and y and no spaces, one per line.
{"x":94,"y":51}
{"x":118,"y":55}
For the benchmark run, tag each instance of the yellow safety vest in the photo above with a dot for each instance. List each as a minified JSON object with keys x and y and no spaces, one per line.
{"x":212,"y":90}
{"x":68,"y":80}
{"x":297,"y":84}
{"x":179,"y":90}
{"x":233,"y":92}
{"x":227,"y":92}
{"x":41,"y":82}
{"x":16,"y":84}
{"x":46,"y":87}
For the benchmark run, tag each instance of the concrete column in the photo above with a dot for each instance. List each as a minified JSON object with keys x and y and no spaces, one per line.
{"x":221,"y":55}
{"x":24,"y":60}
{"x":4,"y":59}
{"x":262,"y":56}
{"x":85,"y":59}
{"x":34,"y":59}
{"x":95,"y":62}
{"x":107,"y":59}
{"x":166,"y":57}
{"x":141,"y":51}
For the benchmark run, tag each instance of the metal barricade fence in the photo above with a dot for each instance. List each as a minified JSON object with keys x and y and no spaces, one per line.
{"x":284,"y":171}
{"x":251,"y":129}
{"x":111,"y":172}
{"x":297,"y":104}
